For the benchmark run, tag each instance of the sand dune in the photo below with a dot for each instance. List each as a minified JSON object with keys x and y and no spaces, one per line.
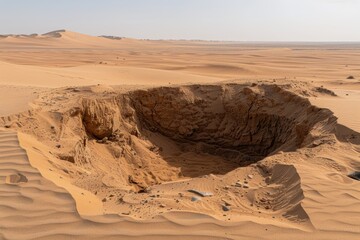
{"x":12,"y":74}
{"x":106,"y":138}
{"x":58,"y":39}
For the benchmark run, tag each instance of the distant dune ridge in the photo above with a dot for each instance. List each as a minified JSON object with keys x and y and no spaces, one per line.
{"x":56,"y":34}
{"x":110,"y":137}
{"x":111,"y":37}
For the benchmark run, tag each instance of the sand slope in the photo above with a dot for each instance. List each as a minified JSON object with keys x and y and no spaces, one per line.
{"x":38,"y":209}
{"x":34,"y":208}
{"x":12,"y":74}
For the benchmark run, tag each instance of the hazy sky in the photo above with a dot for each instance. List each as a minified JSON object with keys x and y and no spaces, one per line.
{"x":243,"y":20}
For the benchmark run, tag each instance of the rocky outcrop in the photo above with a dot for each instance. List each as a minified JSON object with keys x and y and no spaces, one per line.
{"x":101,"y":117}
{"x":254,"y":121}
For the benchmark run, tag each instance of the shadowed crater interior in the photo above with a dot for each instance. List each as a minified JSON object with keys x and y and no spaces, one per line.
{"x":240,"y":123}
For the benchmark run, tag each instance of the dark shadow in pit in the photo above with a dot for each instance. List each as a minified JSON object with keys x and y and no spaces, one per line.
{"x":198,"y":159}
{"x":232,"y":125}
{"x":197,"y":165}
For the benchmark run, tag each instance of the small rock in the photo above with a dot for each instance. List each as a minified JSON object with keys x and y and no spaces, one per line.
{"x":58,"y":146}
{"x":104,"y":200}
{"x":355,"y":175}
{"x":226,"y":203}
{"x":16,"y":178}
{"x":120,"y":200}
{"x":238,"y":184}
{"x":144,"y":190}
{"x":162,"y":205}
{"x":245,"y":186}
{"x":202,"y":194}
{"x":225,"y":208}
{"x":195,"y":199}
{"x":250,"y":176}
{"x":226,"y":187}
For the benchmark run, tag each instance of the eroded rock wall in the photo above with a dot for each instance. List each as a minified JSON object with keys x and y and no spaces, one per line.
{"x":252,"y":120}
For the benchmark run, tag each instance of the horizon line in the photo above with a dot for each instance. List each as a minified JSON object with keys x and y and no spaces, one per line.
{"x":185,"y":39}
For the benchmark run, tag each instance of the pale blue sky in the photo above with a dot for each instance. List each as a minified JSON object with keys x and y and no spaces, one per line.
{"x":243,"y":20}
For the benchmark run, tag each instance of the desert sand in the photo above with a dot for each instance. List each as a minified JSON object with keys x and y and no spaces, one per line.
{"x":108,"y":138}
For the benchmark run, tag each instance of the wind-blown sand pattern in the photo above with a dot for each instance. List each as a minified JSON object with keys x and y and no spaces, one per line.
{"x":106,"y":138}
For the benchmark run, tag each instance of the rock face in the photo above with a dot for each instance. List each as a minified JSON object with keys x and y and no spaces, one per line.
{"x":230,"y":120}
{"x":101,"y":117}
{"x":16,"y":179}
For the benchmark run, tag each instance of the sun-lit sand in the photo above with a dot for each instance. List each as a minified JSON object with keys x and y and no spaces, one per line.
{"x":106,"y":138}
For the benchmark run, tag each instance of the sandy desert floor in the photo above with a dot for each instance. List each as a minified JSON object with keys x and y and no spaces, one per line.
{"x":139,"y":139}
